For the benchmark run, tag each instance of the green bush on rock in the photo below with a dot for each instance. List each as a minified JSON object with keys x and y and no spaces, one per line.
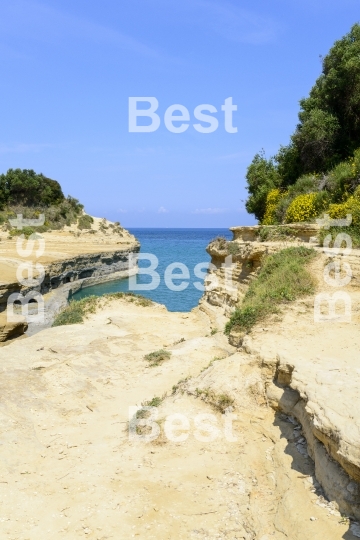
{"x":85,"y":222}
{"x":30,"y":194}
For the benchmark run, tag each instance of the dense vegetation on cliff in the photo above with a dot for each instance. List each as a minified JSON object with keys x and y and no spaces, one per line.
{"x":27,"y":188}
{"x":319,"y":170}
{"x":30,"y":194}
{"x":283,"y":278}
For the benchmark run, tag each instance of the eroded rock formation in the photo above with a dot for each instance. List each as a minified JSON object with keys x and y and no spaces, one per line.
{"x":72,"y":259}
{"x":309,"y":371}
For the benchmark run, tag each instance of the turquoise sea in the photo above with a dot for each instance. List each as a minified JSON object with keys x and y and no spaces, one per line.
{"x":185,"y":246}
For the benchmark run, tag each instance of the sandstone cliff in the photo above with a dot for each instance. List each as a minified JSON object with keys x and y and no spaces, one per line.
{"x":306,"y":370}
{"x":72,"y":259}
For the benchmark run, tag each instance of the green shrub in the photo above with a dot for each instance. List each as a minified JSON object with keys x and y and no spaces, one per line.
{"x":142,"y":413}
{"x":262,"y":178}
{"x":56,"y":216}
{"x":26,"y":231}
{"x":303,"y":201}
{"x":281,"y":209}
{"x":312,"y":195}
{"x":85,"y":222}
{"x":340,"y":180}
{"x":355,"y":165}
{"x":222,"y":402}
{"x":353,"y":232}
{"x":244,"y":319}
{"x":307,"y":183}
{"x":282,"y":278}
{"x":306,"y":207}
{"x":350,"y":206}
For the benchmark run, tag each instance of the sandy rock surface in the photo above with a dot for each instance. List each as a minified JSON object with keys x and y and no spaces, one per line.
{"x":64,"y":244}
{"x":11,"y":330}
{"x":68,"y":469}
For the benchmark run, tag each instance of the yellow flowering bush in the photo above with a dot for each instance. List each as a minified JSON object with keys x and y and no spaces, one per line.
{"x":350,"y":206}
{"x":272,"y":200}
{"x":302,"y":208}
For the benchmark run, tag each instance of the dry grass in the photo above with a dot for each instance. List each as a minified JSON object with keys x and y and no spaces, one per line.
{"x":220,"y":402}
{"x":143,"y":414}
{"x":157,"y":358}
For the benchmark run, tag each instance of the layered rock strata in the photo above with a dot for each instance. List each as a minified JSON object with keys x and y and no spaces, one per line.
{"x":309,"y":370}
{"x":71,"y":259}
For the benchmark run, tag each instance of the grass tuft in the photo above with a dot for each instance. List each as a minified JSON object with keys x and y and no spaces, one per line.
{"x":220,"y":402}
{"x":180,"y":385}
{"x":77,"y":311}
{"x":283,"y":278}
{"x":156,"y":358}
{"x":143,"y":413}
{"x":215,"y":359}
{"x":154,"y":402}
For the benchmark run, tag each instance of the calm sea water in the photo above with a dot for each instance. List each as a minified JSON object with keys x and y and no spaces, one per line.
{"x":186,"y":246}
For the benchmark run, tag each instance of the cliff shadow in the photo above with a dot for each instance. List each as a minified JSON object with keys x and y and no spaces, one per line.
{"x":296,"y":448}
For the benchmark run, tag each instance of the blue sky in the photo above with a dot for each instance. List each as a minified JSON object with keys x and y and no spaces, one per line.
{"x":69,"y":67}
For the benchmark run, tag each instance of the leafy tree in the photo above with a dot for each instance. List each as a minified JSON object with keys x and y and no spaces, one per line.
{"x":25,"y":187}
{"x":262,"y":176}
{"x":328,"y":131}
{"x":32,"y":194}
{"x":337,"y":94}
{"x":288,"y":164}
